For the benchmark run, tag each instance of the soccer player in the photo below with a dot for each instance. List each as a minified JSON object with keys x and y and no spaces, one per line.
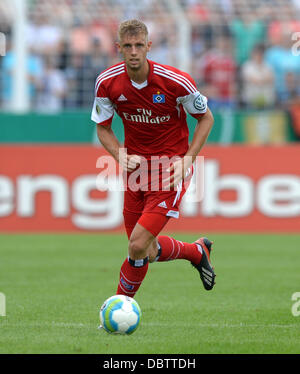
{"x":151,"y":99}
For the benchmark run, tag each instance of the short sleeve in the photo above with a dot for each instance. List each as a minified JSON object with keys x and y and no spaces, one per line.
{"x":189,"y":96}
{"x":103,"y":109}
{"x":194,"y":103}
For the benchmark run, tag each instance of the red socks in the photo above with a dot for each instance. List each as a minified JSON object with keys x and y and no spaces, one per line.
{"x":133,"y":272}
{"x":131,"y":276}
{"x":172,"y":249}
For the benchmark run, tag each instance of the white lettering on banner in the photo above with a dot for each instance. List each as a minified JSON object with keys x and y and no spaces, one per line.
{"x":91,"y":213}
{"x":28,"y":186}
{"x":273,"y":195}
{"x":97,"y":214}
{"x":214,"y":183}
{"x":279,"y":195}
{"x":6,"y":196}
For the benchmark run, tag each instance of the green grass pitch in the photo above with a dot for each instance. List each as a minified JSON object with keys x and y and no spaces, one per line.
{"x":55,"y":284}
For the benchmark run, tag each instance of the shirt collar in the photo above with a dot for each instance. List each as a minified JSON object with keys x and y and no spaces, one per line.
{"x":150,"y":73}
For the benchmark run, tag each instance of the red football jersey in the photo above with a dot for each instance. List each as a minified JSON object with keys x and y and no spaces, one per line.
{"x":153,"y":113}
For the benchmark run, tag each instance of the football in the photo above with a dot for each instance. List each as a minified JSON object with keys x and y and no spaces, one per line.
{"x":120,"y":315}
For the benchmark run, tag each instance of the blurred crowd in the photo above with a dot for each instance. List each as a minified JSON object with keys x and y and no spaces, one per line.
{"x":244,"y":52}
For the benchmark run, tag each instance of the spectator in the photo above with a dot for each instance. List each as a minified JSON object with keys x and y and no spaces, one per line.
{"x":74,"y":79}
{"x":282,"y":61}
{"x":86,"y":29}
{"x":247,"y":31}
{"x":291,"y":94}
{"x":160,"y":52}
{"x":52,"y":88}
{"x":81,"y":74}
{"x":79,"y":39}
{"x":296,"y":4}
{"x":198,"y":12}
{"x":277,"y":28}
{"x":63,"y":54}
{"x":258,"y":91}
{"x":34,"y":70}
{"x":197,"y":44}
{"x":290,"y":99}
{"x":95,"y":61}
{"x":218,"y":74}
{"x":283,"y":17}
{"x":43,"y":36}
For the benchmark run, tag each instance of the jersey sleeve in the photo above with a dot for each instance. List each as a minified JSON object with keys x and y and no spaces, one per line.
{"x":103,"y":109}
{"x":192,"y":100}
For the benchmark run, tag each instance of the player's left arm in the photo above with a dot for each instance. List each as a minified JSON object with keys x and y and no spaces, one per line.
{"x":195,"y":104}
{"x":179,"y":168}
{"x":202,"y":130}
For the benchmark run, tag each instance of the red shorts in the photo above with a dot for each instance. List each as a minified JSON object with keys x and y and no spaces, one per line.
{"x":153,"y":209}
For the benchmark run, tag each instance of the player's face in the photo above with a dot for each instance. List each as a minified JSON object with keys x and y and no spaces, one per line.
{"x":134,"y":49}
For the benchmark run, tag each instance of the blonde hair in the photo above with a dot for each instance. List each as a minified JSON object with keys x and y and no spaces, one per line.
{"x":133,"y":27}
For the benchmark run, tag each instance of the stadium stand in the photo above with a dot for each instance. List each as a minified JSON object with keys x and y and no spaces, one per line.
{"x":71,"y":41}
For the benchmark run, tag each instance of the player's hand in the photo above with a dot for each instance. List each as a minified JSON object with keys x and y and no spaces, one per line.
{"x":177,"y":171}
{"x":133,"y":161}
{"x":128,"y":162}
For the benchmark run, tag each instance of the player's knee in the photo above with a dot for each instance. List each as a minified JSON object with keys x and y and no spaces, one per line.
{"x":137,"y":249}
{"x":152,"y":251}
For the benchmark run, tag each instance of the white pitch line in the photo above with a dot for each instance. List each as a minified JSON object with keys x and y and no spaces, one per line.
{"x":48,"y":324}
{"x":238,"y":325}
{"x":202,"y":325}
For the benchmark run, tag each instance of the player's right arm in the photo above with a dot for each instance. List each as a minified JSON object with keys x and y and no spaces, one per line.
{"x":110,"y":142}
{"x":102,"y":114}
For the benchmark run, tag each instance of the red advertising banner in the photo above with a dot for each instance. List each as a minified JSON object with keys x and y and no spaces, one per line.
{"x":53,"y":188}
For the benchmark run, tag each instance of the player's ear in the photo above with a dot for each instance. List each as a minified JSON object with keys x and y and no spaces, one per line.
{"x":149,"y":44}
{"x":118,"y":45}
